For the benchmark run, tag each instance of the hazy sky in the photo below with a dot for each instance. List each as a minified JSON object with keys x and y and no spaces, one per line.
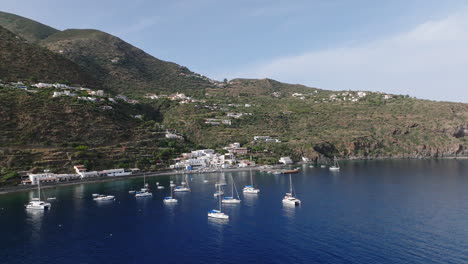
{"x":415,"y":47}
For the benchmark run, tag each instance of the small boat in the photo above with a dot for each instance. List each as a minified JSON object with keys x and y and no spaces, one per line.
{"x":231,"y":199}
{"x":277,"y":173}
{"x":36,"y":203}
{"x":104,"y":198}
{"x":291,"y":171}
{"x":131,"y":192}
{"x":51,"y":198}
{"x":311,"y":166}
{"x":250,"y":188}
{"x":183,"y":188}
{"x":323,"y":166}
{"x":170,"y":199}
{"x":159,"y":186}
{"x":336,"y":166}
{"x":95,"y":194}
{"x":144,"y":191}
{"x":289,"y":198}
{"x":218,"y":193}
{"x":218,"y":214}
{"x":143,"y":194}
{"x":205,"y":181}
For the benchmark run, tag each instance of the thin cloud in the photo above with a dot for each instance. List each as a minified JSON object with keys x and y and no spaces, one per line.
{"x":428,"y":61}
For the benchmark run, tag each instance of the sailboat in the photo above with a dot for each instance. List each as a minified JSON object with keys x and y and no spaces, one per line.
{"x":145,"y":185}
{"x":336,"y":166}
{"x":219,"y":192}
{"x":170,"y":199}
{"x":144,"y":191}
{"x":184,"y":186}
{"x":36,"y":203}
{"x":231,"y":199}
{"x":218,"y":213}
{"x":289,"y":198}
{"x":250,"y":188}
{"x":159,"y":186}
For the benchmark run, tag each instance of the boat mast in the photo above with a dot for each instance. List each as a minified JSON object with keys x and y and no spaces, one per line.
{"x":39,"y":188}
{"x":219,"y":197}
{"x":290,"y":185}
{"x":251,"y":180}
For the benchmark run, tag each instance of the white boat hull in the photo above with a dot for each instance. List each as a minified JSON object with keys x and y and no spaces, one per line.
{"x":39,"y":205}
{"x":183,"y":189}
{"x":231,"y":201}
{"x":218,"y":215}
{"x":170,"y":200}
{"x":334,"y":168}
{"x":291,"y":201}
{"x":251,"y":190}
{"x":145,"y":194}
{"x":105,"y":198}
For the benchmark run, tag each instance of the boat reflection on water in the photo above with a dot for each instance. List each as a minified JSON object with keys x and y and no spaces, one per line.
{"x":289,"y":211}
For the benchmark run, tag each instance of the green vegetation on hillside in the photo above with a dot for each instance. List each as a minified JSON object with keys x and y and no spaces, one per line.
{"x":26,"y":28}
{"x":20,"y":60}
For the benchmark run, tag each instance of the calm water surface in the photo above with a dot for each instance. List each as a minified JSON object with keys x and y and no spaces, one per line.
{"x":370,"y":212}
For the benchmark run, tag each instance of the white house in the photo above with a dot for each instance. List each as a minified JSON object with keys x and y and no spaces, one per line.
{"x":285,"y":160}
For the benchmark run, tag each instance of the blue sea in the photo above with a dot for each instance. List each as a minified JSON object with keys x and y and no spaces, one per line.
{"x":397,"y":211}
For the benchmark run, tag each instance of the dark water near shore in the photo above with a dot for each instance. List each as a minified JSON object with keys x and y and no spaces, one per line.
{"x":370,"y":212}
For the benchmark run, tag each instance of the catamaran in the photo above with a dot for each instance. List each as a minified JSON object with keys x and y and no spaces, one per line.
{"x":218,"y":213}
{"x":250,"y":188}
{"x":336,"y":166}
{"x":170,"y":199}
{"x":289,"y":198}
{"x":231,"y":199}
{"x":184,"y":186}
{"x":36,"y":203}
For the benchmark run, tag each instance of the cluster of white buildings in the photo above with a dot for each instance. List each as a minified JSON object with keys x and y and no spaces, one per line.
{"x":81,"y":173}
{"x":208,"y":158}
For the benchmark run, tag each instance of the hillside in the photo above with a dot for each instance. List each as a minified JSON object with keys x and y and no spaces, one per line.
{"x":122,"y":67}
{"x":39,"y":131}
{"x":328,"y":123}
{"x":21,"y":60}
{"x":28,"y":29}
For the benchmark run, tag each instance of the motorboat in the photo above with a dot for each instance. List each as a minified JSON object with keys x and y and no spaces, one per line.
{"x":143,"y":194}
{"x":104,"y":198}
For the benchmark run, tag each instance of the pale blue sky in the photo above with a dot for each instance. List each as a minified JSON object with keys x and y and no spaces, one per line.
{"x":414,"y":47}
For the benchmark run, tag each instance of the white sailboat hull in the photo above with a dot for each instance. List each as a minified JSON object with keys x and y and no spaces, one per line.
{"x":250,"y":190}
{"x":231,"y":201}
{"x":218,"y":215}
{"x":170,"y":200}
